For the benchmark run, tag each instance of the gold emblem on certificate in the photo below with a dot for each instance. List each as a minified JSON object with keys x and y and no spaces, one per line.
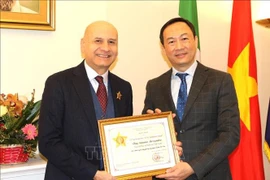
{"x":120,"y":140}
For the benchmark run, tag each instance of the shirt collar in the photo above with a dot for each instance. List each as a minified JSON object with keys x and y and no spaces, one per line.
{"x":190,"y":70}
{"x":91,"y":73}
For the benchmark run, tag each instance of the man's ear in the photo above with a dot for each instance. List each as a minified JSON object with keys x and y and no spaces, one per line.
{"x":196,"y":41}
{"x":82,"y":48}
{"x":162,"y":48}
{"x":164,"y":55}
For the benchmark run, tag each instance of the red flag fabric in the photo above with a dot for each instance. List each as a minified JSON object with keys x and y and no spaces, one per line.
{"x":246,"y":160}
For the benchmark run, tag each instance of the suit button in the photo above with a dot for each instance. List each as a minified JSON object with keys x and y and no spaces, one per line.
{"x":181,"y":131}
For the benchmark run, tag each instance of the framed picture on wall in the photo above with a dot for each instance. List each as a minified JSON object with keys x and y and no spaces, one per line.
{"x":28,"y":14}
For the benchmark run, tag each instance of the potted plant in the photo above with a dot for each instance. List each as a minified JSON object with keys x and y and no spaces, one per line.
{"x":18,"y":128}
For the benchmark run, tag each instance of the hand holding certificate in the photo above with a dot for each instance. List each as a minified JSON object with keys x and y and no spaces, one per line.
{"x":138,"y":146}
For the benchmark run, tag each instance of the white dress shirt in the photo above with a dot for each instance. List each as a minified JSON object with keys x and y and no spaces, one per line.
{"x":176,"y":82}
{"x":91,"y":74}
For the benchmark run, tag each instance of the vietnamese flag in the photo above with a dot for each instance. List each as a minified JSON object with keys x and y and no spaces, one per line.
{"x":246,"y":160}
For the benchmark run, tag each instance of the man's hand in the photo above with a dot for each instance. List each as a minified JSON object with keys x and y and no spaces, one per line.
{"x":157,"y":110}
{"x":180,"y":171}
{"x":150,"y":111}
{"x":103,"y":175}
{"x":178,"y":144}
{"x":178,"y":147}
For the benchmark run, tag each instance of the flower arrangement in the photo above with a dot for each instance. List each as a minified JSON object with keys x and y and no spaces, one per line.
{"x":19,"y":122}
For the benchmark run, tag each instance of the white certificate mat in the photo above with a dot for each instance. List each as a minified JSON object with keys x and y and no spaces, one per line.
{"x":138,"y":146}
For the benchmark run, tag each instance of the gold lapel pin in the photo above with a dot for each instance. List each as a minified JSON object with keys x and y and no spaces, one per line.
{"x":118,"y":95}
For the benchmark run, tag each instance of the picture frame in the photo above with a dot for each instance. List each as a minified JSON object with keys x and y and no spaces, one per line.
{"x":25,"y":18}
{"x":140,"y":146}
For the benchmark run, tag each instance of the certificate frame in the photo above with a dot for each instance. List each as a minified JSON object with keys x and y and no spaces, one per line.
{"x":151,"y":136}
{"x":44,"y":19}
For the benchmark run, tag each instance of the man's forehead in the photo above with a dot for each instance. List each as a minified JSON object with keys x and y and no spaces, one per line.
{"x":101,"y":30}
{"x":102,"y":33}
{"x":178,"y":26}
{"x":177,"y":30}
{"x":105,"y":37}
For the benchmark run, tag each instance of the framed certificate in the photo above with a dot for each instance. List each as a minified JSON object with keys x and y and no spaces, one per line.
{"x":138,"y":146}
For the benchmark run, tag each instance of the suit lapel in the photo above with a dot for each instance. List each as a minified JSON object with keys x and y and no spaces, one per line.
{"x":114,"y":90}
{"x":199,"y":79}
{"x":82,"y":86}
{"x":166,"y":90}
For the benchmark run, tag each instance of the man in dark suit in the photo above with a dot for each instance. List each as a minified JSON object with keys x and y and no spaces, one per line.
{"x":68,"y":130}
{"x":209,"y":127}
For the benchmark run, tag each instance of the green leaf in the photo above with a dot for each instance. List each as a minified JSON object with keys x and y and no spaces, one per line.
{"x":34,"y":112}
{"x":29,"y":114}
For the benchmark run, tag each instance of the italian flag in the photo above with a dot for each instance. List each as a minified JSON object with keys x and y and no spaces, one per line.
{"x":246,"y":160}
{"x":188,"y":10}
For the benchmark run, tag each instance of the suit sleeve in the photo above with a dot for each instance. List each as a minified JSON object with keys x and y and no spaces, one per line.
{"x":51,"y":140}
{"x":228,"y":137}
{"x":129,"y":104}
{"x":148,"y":101}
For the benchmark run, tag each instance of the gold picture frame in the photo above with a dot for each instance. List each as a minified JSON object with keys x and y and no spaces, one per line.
{"x":43,"y":19}
{"x":138,"y":146}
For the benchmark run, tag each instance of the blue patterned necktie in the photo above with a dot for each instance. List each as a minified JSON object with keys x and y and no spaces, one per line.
{"x":182,"y":95}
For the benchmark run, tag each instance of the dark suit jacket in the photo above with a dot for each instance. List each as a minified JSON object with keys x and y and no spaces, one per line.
{"x":210,"y":127}
{"x":68,"y":130}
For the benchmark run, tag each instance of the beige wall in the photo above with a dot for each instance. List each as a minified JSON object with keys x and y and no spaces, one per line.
{"x":29,"y":57}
